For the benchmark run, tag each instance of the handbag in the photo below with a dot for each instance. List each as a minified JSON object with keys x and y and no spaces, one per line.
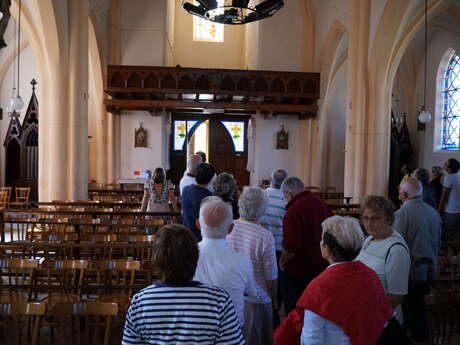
{"x":393,"y":334}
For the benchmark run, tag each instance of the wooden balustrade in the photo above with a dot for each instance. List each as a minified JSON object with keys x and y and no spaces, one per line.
{"x":150,"y":88}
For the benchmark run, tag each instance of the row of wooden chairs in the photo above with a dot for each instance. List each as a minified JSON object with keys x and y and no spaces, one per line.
{"x":84,"y":323}
{"x":30,"y":280}
{"x":22,"y":195}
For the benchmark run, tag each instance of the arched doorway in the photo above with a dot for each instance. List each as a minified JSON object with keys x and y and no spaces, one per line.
{"x":13,"y":163}
{"x":222,"y":138}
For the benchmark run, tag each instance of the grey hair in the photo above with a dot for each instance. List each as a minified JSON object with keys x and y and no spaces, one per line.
{"x":224,"y":185}
{"x":422,"y":175}
{"x":346,"y":231}
{"x":277,"y":177}
{"x":192,"y":165}
{"x":224,"y":211}
{"x":413,"y":188}
{"x":252,"y":203}
{"x":292,"y":185}
{"x":437,"y":170}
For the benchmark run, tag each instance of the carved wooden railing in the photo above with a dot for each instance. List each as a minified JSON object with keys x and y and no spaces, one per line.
{"x":148,"y":88}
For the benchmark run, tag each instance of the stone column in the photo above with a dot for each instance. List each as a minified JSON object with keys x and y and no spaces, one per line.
{"x":78,"y":17}
{"x":355,"y":140}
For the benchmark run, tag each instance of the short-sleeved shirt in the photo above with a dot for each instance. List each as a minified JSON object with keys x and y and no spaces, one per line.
{"x":190,"y":313}
{"x":191,"y":200}
{"x":272,"y":220}
{"x":452,"y":182}
{"x":221,"y":266}
{"x":158,"y":202}
{"x":251,"y":238}
{"x":390,"y":259}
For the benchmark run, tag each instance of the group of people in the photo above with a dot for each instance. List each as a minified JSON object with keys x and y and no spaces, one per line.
{"x":225,"y":273}
{"x":442,"y":191}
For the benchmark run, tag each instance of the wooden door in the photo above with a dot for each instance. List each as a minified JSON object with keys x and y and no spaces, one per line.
{"x":222,"y":152}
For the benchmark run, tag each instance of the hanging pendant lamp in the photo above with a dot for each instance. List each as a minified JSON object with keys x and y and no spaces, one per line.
{"x":425,"y":116}
{"x":16,"y":103}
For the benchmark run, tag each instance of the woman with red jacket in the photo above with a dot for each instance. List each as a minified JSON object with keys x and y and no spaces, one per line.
{"x":346,"y":303}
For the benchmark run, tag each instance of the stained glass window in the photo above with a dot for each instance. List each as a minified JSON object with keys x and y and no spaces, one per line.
{"x":205,"y":30}
{"x":180,"y":134}
{"x":236,"y":131}
{"x":451,"y":105}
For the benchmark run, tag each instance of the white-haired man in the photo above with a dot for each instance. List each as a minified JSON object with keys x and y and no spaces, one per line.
{"x":193,"y":162}
{"x":420,"y":225}
{"x":218,"y":264}
{"x":249,"y":237}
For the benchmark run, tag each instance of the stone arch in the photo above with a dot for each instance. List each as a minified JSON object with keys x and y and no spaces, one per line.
{"x":399,"y":23}
{"x":330,"y":63}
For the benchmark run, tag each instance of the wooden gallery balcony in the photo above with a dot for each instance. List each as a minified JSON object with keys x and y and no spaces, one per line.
{"x":153,"y":88}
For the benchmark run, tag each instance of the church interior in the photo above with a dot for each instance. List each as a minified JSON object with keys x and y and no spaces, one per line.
{"x":97,"y":94}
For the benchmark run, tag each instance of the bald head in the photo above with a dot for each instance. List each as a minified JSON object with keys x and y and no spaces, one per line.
{"x":410,"y":188}
{"x":215,"y":217}
{"x":193,"y":162}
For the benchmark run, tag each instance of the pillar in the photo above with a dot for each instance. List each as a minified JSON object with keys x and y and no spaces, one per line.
{"x":355,"y":139}
{"x":77,"y":186}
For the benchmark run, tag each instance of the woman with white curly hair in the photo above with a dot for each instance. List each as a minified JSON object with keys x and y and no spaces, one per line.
{"x":249,"y":237}
{"x":344,"y":305}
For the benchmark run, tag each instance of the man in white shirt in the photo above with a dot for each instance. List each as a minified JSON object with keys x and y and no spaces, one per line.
{"x":218,"y":264}
{"x":193,"y":162}
{"x":450,"y":200}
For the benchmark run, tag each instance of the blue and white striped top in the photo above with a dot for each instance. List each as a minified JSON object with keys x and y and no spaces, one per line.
{"x":191,"y":313}
{"x":272,"y":220}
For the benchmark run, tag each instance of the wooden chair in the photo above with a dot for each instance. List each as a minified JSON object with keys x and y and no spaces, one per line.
{"x":8,"y":190}
{"x":20,"y":323}
{"x":116,"y":275}
{"x":87,"y":323}
{"x":443,"y":317}
{"x":4,"y":198}
{"x":123,"y":303}
{"x":20,"y":276}
{"x":62,"y":277}
{"x":22,"y":195}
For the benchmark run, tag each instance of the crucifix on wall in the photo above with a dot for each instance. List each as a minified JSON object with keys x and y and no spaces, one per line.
{"x":4,"y":19}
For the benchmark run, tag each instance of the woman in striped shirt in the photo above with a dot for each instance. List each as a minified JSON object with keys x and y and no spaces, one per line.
{"x":177,"y":310}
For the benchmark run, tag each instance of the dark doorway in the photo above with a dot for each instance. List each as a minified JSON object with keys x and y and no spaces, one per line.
{"x":226,"y":142}
{"x":13,"y":164}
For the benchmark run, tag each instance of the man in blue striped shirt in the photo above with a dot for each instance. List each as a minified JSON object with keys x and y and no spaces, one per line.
{"x":272,"y":220}
{"x":177,"y":310}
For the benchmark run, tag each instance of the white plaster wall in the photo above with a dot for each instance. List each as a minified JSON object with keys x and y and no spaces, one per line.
{"x":143,"y":32}
{"x":267,"y":158}
{"x":335,"y":132}
{"x":28,"y":72}
{"x":426,"y":154}
{"x":139,"y":158}
{"x":279,"y":39}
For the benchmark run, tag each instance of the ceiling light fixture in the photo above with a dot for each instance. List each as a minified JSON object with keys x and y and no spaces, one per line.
{"x":233,"y":12}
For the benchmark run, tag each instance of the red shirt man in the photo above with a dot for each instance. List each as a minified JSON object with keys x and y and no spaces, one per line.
{"x":301,"y":259}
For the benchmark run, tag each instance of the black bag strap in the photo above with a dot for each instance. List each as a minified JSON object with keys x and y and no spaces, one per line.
{"x":394,"y":244}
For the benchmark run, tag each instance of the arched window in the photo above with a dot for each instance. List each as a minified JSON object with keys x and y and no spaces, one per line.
{"x":450,"y":136}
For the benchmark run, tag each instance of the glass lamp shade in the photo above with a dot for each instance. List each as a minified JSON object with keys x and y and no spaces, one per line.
{"x":424,"y":116}
{"x":17,"y":103}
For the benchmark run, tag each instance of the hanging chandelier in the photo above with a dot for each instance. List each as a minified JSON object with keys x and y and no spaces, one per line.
{"x":233,"y":12}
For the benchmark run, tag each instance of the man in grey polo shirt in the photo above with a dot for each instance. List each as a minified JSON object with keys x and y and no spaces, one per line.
{"x":420,"y":225}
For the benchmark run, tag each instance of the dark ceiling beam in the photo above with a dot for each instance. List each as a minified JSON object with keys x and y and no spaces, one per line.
{"x":132,"y":104}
